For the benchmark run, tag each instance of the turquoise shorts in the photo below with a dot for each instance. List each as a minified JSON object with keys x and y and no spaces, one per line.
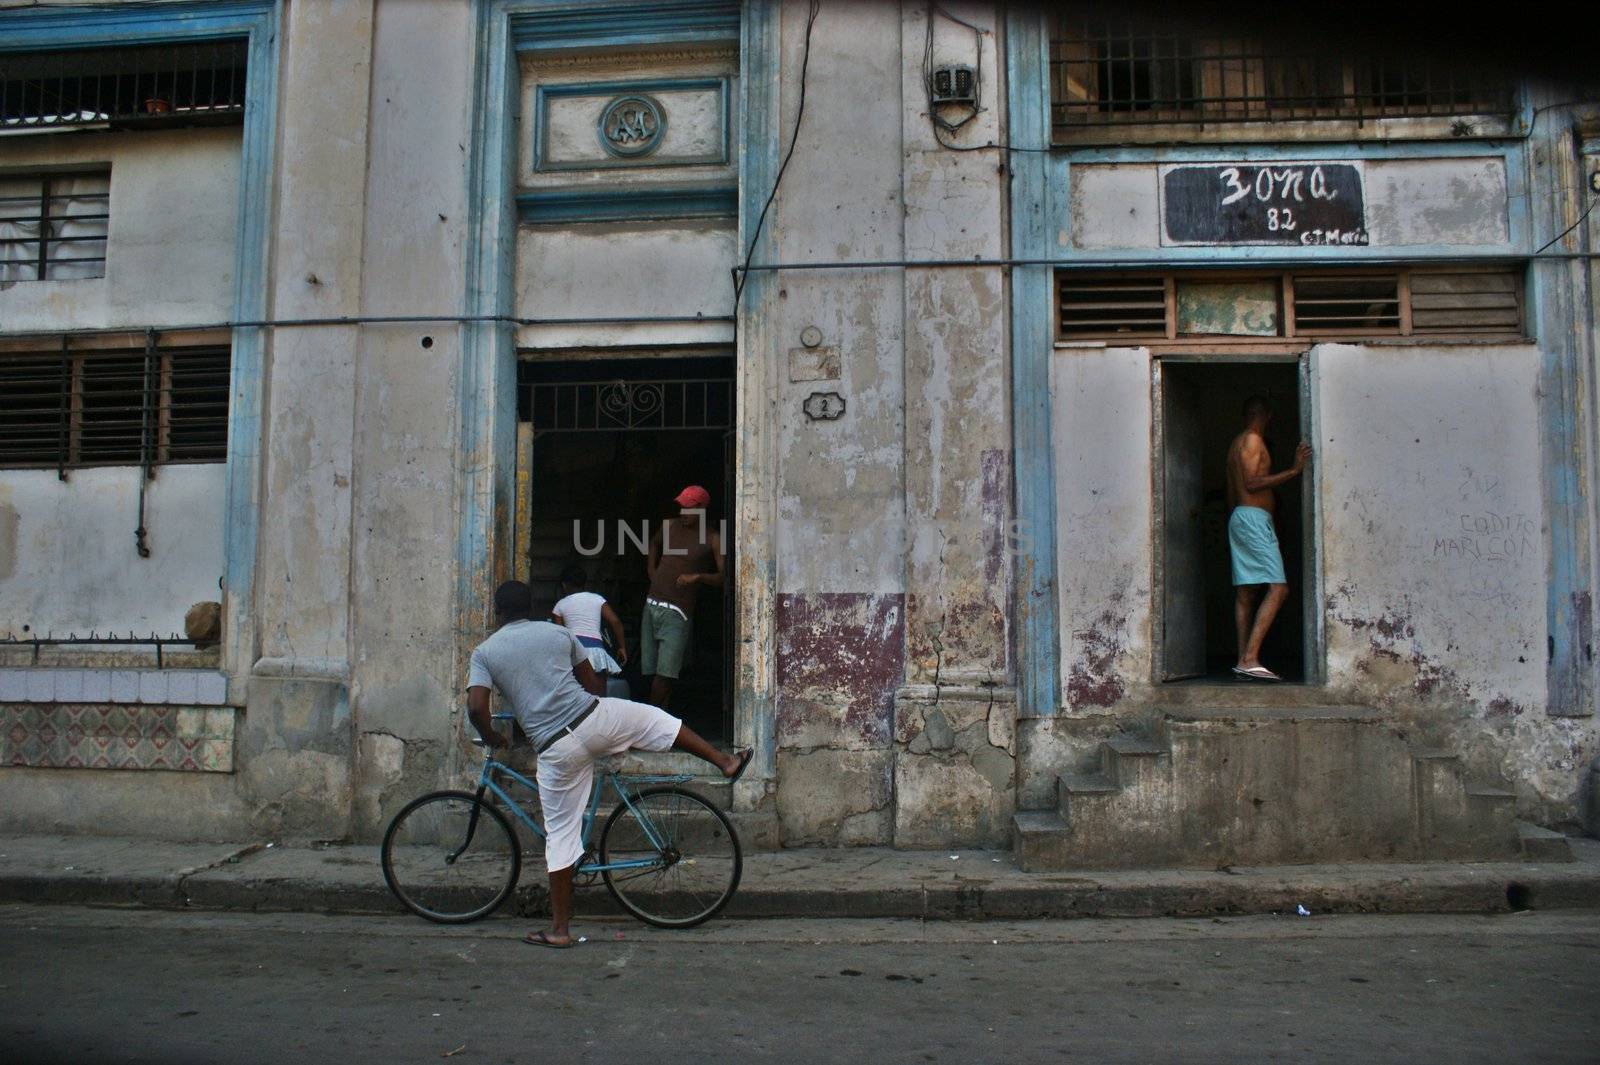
{"x":1253,"y":542}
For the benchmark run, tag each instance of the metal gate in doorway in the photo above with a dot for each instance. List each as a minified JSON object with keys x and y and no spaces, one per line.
{"x":601,"y":449}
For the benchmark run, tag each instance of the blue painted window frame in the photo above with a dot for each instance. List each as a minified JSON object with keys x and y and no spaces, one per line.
{"x":30,"y":29}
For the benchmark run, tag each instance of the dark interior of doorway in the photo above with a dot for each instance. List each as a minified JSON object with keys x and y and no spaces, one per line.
{"x":1216,"y":393}
{"x":596,"y":481}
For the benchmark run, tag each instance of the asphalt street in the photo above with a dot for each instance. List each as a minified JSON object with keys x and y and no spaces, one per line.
{"x":91,"y":986}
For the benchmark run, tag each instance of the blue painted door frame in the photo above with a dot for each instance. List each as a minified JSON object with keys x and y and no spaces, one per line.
{"x":487,"y":383}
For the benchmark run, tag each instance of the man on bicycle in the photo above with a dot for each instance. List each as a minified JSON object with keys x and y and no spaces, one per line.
{"x":543,"y":672}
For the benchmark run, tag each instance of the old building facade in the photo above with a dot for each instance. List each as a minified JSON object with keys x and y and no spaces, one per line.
{"x":337,"y":312}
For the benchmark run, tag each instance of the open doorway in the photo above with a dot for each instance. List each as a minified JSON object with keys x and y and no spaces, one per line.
{"x":1201,"y":405}
{"x":607,"y":445}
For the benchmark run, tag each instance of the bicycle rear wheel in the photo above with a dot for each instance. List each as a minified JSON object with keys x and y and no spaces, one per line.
{"x":451,"y":857}
{"x":692,"y":851}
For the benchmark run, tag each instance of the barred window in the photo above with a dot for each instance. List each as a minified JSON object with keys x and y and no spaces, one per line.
{"x":114,"y":407}
{"x":1127,"y":72}
{"x":53,"y":227}
{"x":181,"y":83}
{"x":1463,"y":301}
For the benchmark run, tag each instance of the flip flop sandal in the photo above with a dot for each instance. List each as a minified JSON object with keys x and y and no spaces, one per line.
{"x":1257,"y":673}
{"x":744,"y":763}
{"x":540,"y":939}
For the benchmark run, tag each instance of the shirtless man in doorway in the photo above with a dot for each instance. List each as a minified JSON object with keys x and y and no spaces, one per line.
{"x":685,"y":556}
{"x":1252,"y":540}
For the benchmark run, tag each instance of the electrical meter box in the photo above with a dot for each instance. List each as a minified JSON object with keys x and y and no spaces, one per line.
{"x":955,"y":85}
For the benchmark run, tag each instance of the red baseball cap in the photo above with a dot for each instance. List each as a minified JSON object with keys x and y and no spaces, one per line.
{"x":693,"y":496}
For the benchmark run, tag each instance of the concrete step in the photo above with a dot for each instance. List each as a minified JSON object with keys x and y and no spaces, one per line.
{"x":1489,"y":831}
{"x":1288,"y":710}
{"x":1089,"y":794}
{"x":1444,"y":821}
{"x":1040,"y":841}
{"x":1133,"y":762}
{"x":1252,"y":785}
{"x":1243,"y":695}
{"x":1086,"y":784}
{"x":1542,"y":845}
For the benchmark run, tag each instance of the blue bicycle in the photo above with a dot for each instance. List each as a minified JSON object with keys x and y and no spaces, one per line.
{"x":666,"y":854}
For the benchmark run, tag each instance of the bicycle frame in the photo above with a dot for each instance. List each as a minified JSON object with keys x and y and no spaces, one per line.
{"x":487,"y":782}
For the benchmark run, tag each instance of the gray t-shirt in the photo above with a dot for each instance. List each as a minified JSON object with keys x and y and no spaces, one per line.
{"x":531,"y":662}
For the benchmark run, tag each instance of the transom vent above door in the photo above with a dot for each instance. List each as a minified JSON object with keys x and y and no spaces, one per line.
{"x":1454,"y":301}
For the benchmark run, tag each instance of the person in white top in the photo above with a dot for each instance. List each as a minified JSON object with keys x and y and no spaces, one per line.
{"x":583,"y":612}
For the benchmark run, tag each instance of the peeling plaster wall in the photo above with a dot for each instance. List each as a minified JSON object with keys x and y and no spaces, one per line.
{"x":173,"y":189}
{"x":1434,"y":556}
{"x":840,"y":536}
{"x":893,"y":573}
{"x":1100,"y":406}
{"x":1100,"y":400}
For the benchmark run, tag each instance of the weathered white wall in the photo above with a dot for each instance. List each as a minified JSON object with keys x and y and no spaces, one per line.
{"x":1408,"y":202}
{"x":1100,"y":405}
{"x":68,"y":562}
{"x":1434,"y":551}
{"x":404,"y":525}
{"x":170,"y":256}
{"x":840,"y":539}
{"x":613,"y":270}
{"x":954,"y":735}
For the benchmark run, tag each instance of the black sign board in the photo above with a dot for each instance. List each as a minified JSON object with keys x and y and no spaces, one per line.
{"x":1304,"y":204}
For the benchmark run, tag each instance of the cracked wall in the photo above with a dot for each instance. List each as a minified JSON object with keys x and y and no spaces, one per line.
{"x":893,"y":563}
{"x":1101,"y":405}
{"x":1434,"y":558}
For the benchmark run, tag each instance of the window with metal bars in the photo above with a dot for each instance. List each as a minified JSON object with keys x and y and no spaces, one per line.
{"x":117,"y":407}
{"x":188,"y":83}
{"x":1153,"y":308}
{"x":1122,"y":70}
{"x":53,"y":227}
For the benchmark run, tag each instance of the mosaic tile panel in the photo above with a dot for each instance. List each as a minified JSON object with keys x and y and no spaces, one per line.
{"x":197,"y":739}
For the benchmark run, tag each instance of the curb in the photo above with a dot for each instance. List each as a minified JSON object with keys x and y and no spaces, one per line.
{"x":1481,"y":888}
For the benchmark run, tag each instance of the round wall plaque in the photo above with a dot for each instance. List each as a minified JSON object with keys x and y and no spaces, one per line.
{"x":632,"y":126}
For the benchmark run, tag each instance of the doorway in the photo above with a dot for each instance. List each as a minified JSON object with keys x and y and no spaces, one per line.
{"x":1201,"y":410}
{"x":607,"y":444}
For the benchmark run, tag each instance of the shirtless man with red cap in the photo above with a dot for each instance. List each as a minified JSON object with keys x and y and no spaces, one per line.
{"x":685,"y":556}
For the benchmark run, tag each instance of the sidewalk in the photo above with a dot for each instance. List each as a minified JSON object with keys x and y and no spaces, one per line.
{"x":862,"y":882}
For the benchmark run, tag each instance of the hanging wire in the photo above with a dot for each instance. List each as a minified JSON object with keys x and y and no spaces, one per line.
{"x":1569,"y":229}
{"x":800,"y":114}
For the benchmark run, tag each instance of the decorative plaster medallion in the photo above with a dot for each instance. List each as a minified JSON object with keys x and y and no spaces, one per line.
{"x":632,"y":126}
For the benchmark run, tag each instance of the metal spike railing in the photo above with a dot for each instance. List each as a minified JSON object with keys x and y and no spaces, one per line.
{"x":111,"y":639}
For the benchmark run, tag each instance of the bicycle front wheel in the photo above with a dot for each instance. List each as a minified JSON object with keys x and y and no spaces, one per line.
{"x":451,"y":857}
{"x":687,"y":852}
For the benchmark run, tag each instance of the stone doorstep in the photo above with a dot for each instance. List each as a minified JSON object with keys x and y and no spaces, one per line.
{"x":863,"y":882}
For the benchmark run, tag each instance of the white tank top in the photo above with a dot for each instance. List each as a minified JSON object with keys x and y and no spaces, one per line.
{"x":580,"y":611}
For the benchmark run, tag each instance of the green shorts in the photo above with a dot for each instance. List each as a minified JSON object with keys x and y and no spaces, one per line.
{"x":663,"y":642}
